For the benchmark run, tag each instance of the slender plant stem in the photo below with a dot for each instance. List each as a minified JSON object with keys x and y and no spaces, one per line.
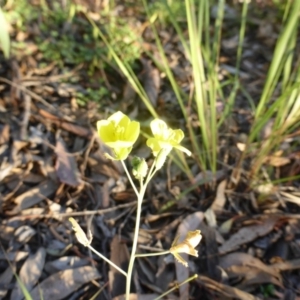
{"x":152,"y":254}
{"x":107,"y":260}
{"x":151,"y":172}
{"x":140,"y":197}
{"x":135,"y":239}
{"x":176,"y":287}
{"x":130,"y":179}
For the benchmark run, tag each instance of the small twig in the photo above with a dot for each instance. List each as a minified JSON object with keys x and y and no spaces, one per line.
{"x":78,"y":213}
{"x":30,"y":93}
{"x":87,"y":153}
{"x":27,"y":104}
{"x":107,"y":260}
{"x":152,"y":254}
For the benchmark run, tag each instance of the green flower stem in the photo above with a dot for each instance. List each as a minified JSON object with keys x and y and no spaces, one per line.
{"x":176,"y":287}
{"x":107,"y":260}
{"x":152,"y":254}
{"x":135,"y":238}
{"x":130,"y":179}
{"x":151,"y":172}
{"x":140,"y":197}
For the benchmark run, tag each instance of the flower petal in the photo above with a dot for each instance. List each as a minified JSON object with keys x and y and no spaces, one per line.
{"x":180,"y":259}
{"x":105,"y":130}
{"x":183,"y":149}
{"x":118,"y":117}
{"x":194,"y":238}
{"x":132,"y":131}
{"x":158,"y":127}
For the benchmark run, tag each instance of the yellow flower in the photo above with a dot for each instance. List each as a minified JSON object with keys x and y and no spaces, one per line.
{"x":165,"y":138}
{"x":119,"y":133}
{"x":192,"y":239}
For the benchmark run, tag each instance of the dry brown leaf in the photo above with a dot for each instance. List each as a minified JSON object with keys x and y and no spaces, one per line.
{"x":30,"y":273}
{"x":277,"y":160}
{"x":4,"y":134}
{"x":71,"y":127}
{"x":243,"y":259}
{"x":34,"y":196}
{"x":151,"y":81}
{"x":64,"y":263}
{"x":248,"y":234}
{"x":224,"y":290}
{"x":252,"y":276}
{"x":66,"y":167}
{"x":290,"y":197}
{"x":24,"y":233}
{"x":5,"y":170}
{"x":62,"y":284}
{"x":286,"y":265}
{"x":6,"y":232}
{"x":211,"y":251}
{"x":13,"y":256}
{"x":220,"y":198}
{"x":119,"y":256}
{"x":5,"y":279}
{"x":217,"y":205}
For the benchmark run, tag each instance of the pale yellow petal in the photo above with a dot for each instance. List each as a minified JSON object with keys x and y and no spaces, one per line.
{"x":194,"y":238}
{"x":158,"y":127}
{"x":117,"y":117}
{"x":180,"y":259}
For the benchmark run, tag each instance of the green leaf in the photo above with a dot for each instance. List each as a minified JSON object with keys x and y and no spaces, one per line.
{"x":4,"y":36}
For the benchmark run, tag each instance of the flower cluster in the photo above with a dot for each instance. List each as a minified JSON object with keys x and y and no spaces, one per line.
{"x":119,"y":133}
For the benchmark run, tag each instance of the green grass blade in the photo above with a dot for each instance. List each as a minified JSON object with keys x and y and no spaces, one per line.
{"x":4,"y":36}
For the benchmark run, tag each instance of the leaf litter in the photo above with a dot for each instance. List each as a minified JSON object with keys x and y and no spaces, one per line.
{"x":52,"y":168}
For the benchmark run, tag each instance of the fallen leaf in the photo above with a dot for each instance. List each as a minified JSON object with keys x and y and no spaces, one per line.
{"x":276,"y":161}
{"x":151,"y":81}
{"x":248,"y":234}
{"x":224,"y":290}
{"x":244,"y":259}
{"x":30,"y":273}
{"x":34,"y":196}
{"x":62,"y":284}
{"x":66,"y":167}
{"x":64,"y":263}
{"x":220,"y":198}
{"x":249,"y":276}
{"x":24,"y":233}
{"x":5,"y":279}
{"x":13,"y":256}
{"x":4,"y":134}
{"x":119,"y":256}
{"x":71,"y":127}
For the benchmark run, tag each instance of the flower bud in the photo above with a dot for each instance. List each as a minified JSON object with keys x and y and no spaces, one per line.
{"x":161,"y":158}
{"x":139,"y":167}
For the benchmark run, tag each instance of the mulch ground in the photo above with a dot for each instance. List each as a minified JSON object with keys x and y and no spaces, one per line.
{"x":52,"y":167}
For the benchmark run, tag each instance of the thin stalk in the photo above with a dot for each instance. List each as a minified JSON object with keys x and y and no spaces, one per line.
{"x":130,"y":179}
{"x":241,"y":39}
{"x":140,"y":197}
{"x":276,"y":65}
{"x":177,"y":286}
{"x":152,"y":254}
{"x":135,"y":239}
{"x":107,"y":260}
